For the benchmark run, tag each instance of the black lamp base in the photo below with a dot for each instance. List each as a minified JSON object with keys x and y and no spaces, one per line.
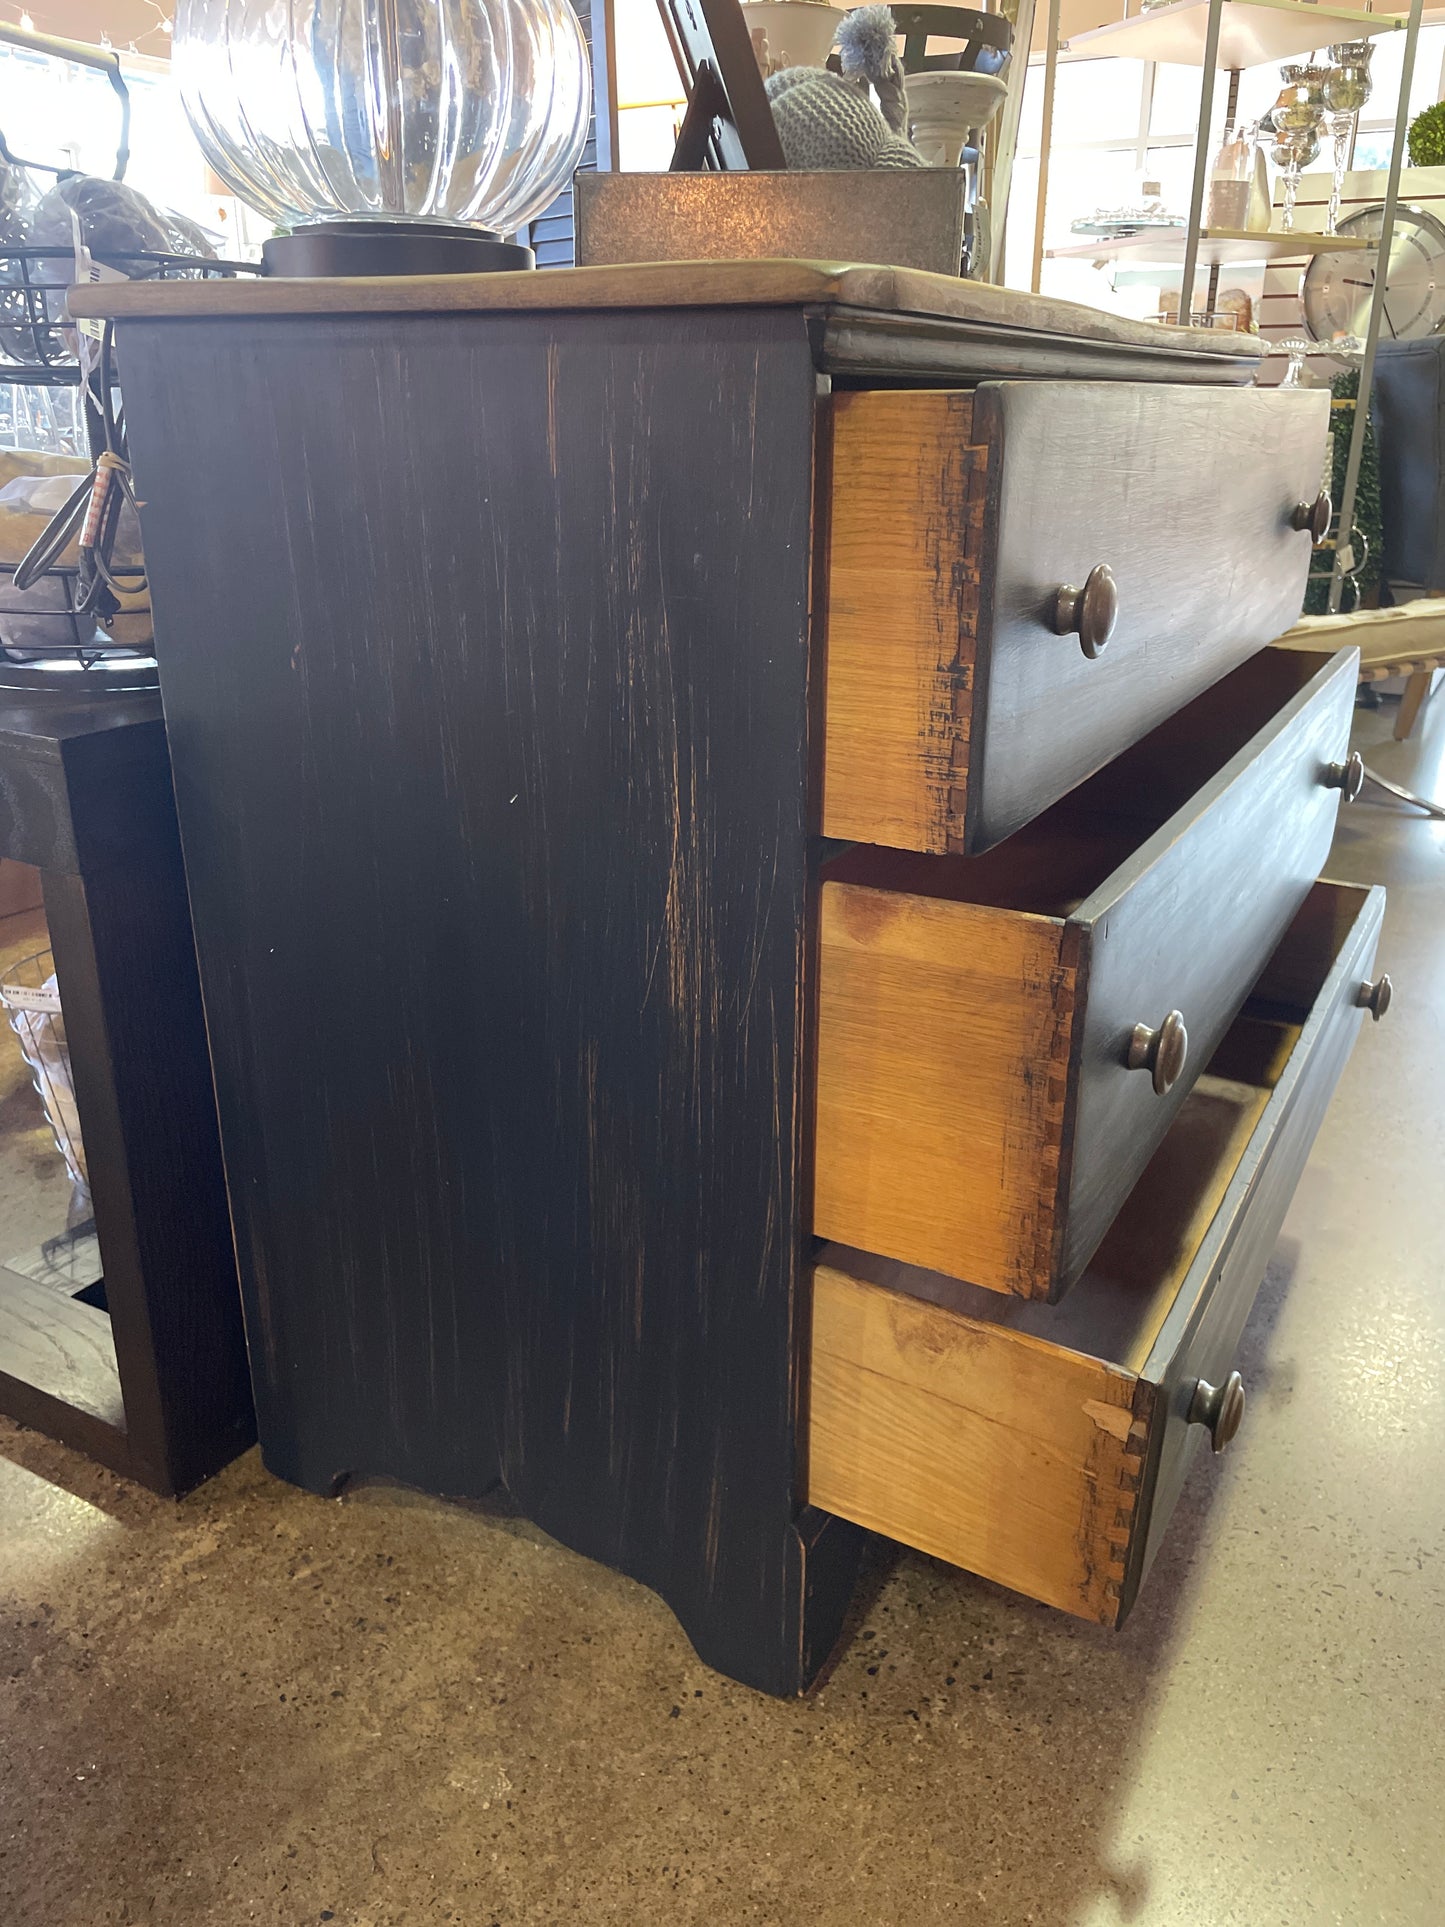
{"x":334,"y":248}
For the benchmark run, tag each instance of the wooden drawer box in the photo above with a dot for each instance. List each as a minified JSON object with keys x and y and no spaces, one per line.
{"x":954,"y":711}
{"x":1044,"y":1447}
{"x":977,"y":1112}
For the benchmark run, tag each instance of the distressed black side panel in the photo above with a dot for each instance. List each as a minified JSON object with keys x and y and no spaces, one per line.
{"x":483,"y":652}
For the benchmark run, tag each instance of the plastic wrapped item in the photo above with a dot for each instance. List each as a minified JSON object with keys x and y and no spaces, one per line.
{"x":40,"y":620}
{"x":114,"y":218}
{"x":32,"y":997}
{"x":1145,"y":208}
{"x":115,"y":222}
{"x":185,"y":236}
{"x":18,"y":199}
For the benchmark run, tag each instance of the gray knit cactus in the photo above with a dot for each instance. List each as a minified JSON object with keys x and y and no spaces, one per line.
{"x":868,"y":52}
{"x":827,"y":122}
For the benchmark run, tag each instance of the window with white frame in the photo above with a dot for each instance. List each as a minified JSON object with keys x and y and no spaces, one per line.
{"x":1120,"y":122}
{"x":649,"y":91}
{"x":69,"y":116}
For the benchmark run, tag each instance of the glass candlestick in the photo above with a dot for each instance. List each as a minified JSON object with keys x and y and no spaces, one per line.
{"x":1296,"y":118}
{"x":1340,"y":126}
{"x":1297,"y":348}
{"x":1347,"y":87}
{"x":1292,"y":153}
{"x":1348,"y":348}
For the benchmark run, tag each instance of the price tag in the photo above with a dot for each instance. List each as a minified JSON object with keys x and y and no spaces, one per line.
{"x":87,"y":268}
{"x":22,"y":997}
{"x":1347,"y":559}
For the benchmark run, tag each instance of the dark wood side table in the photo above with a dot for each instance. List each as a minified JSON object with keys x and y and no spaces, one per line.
{"x":154,"y":1383}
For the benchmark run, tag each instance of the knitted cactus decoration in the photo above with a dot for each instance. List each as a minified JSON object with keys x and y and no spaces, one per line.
{"x":827,"y":122}
{"x":868,"y":51}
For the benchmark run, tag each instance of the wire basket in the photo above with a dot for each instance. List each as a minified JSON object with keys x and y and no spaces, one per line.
{"x":33,"y":283}
{"x":30,"y":993}
{"x":43,"y":623}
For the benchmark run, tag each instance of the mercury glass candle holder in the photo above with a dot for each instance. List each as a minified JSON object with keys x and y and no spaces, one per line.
{"x":1297,"y":117}
{"x":1347,"y":87}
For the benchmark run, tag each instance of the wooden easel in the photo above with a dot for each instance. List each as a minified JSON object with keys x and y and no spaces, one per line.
{"x":728,"y":125}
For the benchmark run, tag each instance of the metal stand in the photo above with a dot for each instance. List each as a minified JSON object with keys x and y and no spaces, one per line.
{"x":1343,"y":544}
{"x":1201,"y":160}
{"x":1209,"y":55}
{"x":1046,"y":141}
{"x":1402,"y":795}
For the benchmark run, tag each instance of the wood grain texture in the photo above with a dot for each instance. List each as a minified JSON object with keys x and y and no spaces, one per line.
{"x":1045,"y":1447}
{"x":82,"y":783}
{"x":943,"y":1047}
{"x":58,"y":1371}
{"x":19,"y":889}
{"x":85,"y":794}
{"x":906,"y":530}
{"x":956,"y":517}
{"x":1291,"y":982}
{"x":1193,"y":918}
{"x":1187,"y":496}
{"x":976,"y":1111}
{"x":1421,"y":678}
{"x":1017,"y":1460}
{"x":691,"y":284}
{"x":494,"y":792}
{"x":1340,"y":924}
{"x":127,"y":970}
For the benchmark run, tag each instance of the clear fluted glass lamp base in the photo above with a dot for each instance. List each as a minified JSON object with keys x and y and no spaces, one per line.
{"x":430,"y":116}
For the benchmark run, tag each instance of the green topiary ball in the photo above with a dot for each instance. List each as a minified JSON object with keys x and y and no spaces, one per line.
{"x":1426,"y":139}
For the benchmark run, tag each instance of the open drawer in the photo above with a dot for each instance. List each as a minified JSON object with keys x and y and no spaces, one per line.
{"x":1026,"y":578}
{"x":1044,"y":1447}
{"x":1003,"y":1040}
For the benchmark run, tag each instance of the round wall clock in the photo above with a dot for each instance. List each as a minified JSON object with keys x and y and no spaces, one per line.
{"x":1337,"y":288}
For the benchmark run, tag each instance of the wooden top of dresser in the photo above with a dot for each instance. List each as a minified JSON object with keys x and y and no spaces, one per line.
{"x":826,"y":286}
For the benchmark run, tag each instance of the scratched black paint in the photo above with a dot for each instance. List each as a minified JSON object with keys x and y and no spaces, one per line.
{"x":491,"y":763}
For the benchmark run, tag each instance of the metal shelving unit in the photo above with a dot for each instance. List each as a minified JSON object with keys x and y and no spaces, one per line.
{"x":1217,"y":247}
{"x":1234,"y":34}
{"x":1208,"y":34}
{"x":1251,"y":33}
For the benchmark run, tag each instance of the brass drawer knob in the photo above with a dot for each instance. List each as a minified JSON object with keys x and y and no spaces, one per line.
{"x":1160,"y":1052}
{"x":1347,"y":777}
{"x":1375,"y":997}
{"x":1220,"y":1407}
{"x":1089,"y":613}
{"x":1314,"y":516}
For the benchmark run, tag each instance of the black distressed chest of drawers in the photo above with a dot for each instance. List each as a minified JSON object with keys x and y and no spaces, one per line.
{"x":679,"y":765}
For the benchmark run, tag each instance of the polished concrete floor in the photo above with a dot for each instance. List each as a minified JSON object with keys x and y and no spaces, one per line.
{"x":260,"y":1706}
